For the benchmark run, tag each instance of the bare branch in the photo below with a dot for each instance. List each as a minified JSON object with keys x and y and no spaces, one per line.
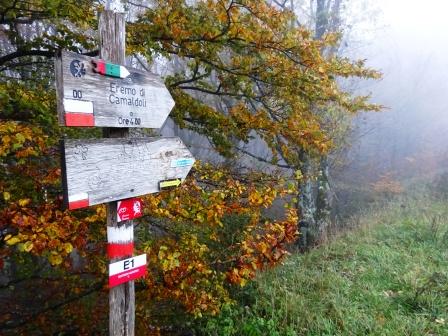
{"x":259,"y":158}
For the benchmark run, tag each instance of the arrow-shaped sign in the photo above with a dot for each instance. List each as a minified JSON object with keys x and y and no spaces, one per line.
{"x":92,"y":92}
{"x":168,"y":184}
{"x":103,"y":170}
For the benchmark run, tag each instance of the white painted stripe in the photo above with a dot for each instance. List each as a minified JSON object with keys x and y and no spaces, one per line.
{"x":78,"y":106}
{"x":120,"y":234}
{"x":124,"y":72}
{"x":78,"y":197}
{"x":182,"y":162}
{"x":127,"y":264}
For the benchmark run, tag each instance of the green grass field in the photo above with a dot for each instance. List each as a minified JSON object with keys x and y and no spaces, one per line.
{"x":388,"y":277}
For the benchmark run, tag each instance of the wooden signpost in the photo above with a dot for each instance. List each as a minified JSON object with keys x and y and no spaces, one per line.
{"x":103,"y":170}
{"x":94,"y":92}
{"x":103,"y":92}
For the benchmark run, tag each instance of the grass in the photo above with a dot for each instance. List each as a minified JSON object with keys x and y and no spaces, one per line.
{"x":388,"y":277}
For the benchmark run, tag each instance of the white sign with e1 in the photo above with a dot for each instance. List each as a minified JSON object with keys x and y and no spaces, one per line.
{"x":126,"y":270}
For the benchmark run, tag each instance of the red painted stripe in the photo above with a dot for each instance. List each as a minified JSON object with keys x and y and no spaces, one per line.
{"x":126,"y":276}
{"x":78,"y":204}
{"x":115,"y":250}
{"x":101,"y":67}
{"x":79,"y":119}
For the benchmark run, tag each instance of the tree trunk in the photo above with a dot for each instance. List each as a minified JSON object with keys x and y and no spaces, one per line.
{"x":321,"y":19}
{"x":306,"y":203}
{"x":314,"y":201}
{"x":323,"y":201}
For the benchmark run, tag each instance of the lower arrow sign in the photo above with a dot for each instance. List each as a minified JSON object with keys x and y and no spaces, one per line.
{"x":96,"y":171}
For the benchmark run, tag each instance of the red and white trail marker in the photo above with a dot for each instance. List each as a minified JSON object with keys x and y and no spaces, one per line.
{"x":78,"y":112}
{"x":126,"y":270}
{"x":79,"y":200}
{"x":120,"y":241}
{"x":129,"y":209}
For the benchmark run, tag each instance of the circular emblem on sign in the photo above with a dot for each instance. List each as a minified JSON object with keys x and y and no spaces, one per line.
{"x":77,"y":68}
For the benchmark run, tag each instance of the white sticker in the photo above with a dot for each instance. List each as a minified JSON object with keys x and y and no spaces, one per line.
{"x":127,"y":264}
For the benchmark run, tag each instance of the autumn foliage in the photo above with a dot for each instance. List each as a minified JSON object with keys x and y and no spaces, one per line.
{"x":218,"y":232}
{"x":192,"y":260}
{"x":270,"y":77}
{"x":243,"y":72}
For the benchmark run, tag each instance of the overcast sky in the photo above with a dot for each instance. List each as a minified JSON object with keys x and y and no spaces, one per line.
{"x":408,"y":42}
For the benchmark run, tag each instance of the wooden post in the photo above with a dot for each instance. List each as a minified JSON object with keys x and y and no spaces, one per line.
{"x":122,"y":297}
{"x":88,"y":95}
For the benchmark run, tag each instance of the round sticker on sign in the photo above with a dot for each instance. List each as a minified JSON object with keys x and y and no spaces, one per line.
{"x":77,"y":68}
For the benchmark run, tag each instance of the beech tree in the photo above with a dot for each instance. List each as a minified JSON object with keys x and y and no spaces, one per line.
{"x":315,"y":194}
{"x":270,"y":76}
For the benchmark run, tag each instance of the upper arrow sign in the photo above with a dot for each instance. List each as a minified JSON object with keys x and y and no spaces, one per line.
{"x":92,"y":92}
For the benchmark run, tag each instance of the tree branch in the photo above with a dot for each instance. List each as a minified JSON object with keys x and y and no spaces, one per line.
{"x":55,"y":306}
{"x":217,"y":92}
{"x":21,"y":53}
{"x":259,"y":158}
{"x":34,"y":52}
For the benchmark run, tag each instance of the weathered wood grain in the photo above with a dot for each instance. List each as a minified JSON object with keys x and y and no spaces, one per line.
{"x":115,"y":169}
{"x":112,"y":34}
{"x":140,"y":100}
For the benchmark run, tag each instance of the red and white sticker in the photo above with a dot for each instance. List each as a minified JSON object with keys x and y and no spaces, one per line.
{"x":77,"y":201}
{"x":129,"y":209}
{"x":126,"y":270}
{"x":78,"y":112}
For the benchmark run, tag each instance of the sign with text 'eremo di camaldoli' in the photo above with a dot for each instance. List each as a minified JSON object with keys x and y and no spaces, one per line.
{"x":92,"y":92}
{"x":103,"y":170}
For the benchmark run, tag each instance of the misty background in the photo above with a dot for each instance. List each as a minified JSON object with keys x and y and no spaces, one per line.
{"x":407,"y":42}
{"x":405,"y":143}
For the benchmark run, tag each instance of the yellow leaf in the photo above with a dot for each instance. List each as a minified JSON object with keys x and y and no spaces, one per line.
{"x":6,"y":195}
{"x":23,"y":202}
{"x":28,"y":246}
{"x":68,"y":247}
{"x":13,"y":241}
{"x":200,"y":218}
{"x":55,"y":259}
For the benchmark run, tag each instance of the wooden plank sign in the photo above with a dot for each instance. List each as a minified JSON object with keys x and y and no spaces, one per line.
{"x":92,"y":92}
{"x":103,"y":170}
{"x":126,"y":270}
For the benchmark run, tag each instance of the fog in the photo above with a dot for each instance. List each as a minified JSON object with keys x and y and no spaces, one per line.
{"x":408,"y":42}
